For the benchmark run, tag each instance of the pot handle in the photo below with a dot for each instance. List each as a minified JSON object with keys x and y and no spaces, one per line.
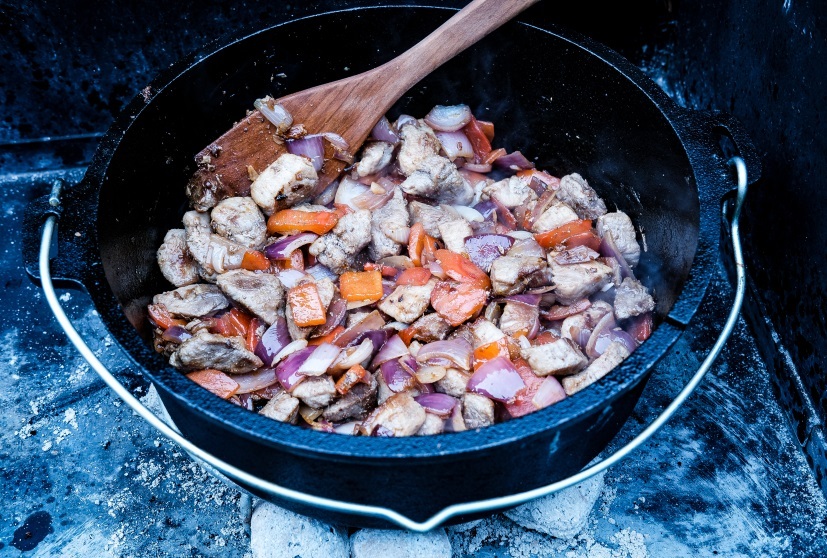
{"x":385,"y":513}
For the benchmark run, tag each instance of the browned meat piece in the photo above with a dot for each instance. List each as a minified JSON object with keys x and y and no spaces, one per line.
{"x":239,"y":219}
{"x":576,"y":192}
{"x":477,"y":411}
{"x":290,"y":179}
{"x":453,"y":383}
{"x":260,"y":293}
{"x":575,"y":281}
{"x":614,"y":354}
{"x":400,"y":415}
{"x":175,"y":260}
{"x":355,"y":404}
{"x":431,"y":327}
{"x":484,"y":332}
{"x":555,"y":216}
{"x":510,"y":273}
{"x":560,"y":358}
{"x":418,"y":144}
{"x":315,"y":391}
{"x":623,"y":234}
{"x":586,"y":319}
{"x":432,"y":425}
{"x":454,"y":233}
{"x":511,"y":192}
{"x":518,"y":318}
{"x":214,"y":253}
{"x":295,"y":331}
{"x":389,"y":228}
{"x":193,"y":301}
{"x":438,"y":178}
{"x":283,"y":407}
{"x":430,"y":217}
{"x":208,"y":350}
{"x":463,"y":332}
{"x":375,"y":156}
{"x":408,"y":302}
{"x":632,"y":299}
{"x":337,"y":248}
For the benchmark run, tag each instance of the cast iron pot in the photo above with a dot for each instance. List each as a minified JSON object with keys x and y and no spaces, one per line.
{"x":566,"y":102}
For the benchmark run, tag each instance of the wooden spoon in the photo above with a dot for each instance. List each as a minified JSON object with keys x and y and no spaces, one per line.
{"x":350,"y":107}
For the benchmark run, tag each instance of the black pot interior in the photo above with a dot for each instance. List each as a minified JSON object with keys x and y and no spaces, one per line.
{"x":562,"y":106}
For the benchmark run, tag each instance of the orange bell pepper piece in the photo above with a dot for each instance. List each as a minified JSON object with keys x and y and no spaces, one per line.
{"x":234,"y":323}
{"x":215,"y":381}
{"x":327,"y":338}
{"x":457,"y":302}
{"x":487,"y":128}
{"x":484,"y":353}
{"x":159,"y":314}
{"x":357,"y":286}
{"x":460,"y":268}
{"x":252,"y":334}
{"x":557,"y":236}
{"x":589,"y":239}
{"x":479,"y":141}
{"x":293,"y":220}
{"x":295,"y":261}
{"x":414,"y":276}
{"x":306,"y":306}
{"x":416,"y":241}
{"x":353,"y":376}
{"x":254,"y":260}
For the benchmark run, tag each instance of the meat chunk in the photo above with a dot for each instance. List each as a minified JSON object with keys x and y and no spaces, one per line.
{"x":632,"y":299}
{"x":400,"y":415}
{"x":389,"y":228}
{"x":337,"y":248}
{"x":623,"y":234}
{"x":214,"y":253}
{"x":418,"y":144}
{"x":485,"y":332}
{"x":576,"y":192}
{"x":430,"y":327}
{"x":327,"y":291}
{"x":509,"y":274}
{"x":555,"y":216}
{"x":454,"y":233}
{"x":375,"y":156}
{"x":295,"y":331}
{"x":575,"y":281}
{"x":439,"y":179}
{"x":518,"y":318}
{"x":208,"y":350}
{"x":174,"y":258}
{"x":561,"y":357}
{"x":511,"y":192}
{"x":408,"y":302}
{"x":193,"y":301}
{"x":477,"y":411}
{"x":430,"y":217}
{"x":287,"y":181}
{"x":454,"y":383}
{"x":260,"y":293}
{"x":354,"y":404}
{"x":239,"y":219}
{"x":432,"y":425}
{"x":614,"y":354}
{"x":283,"y":407}
{"x":315,"y":391}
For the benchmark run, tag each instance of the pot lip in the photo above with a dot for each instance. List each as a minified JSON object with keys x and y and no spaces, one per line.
{"x":596,"y":398}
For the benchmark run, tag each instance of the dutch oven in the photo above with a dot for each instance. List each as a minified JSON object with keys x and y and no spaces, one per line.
{"x":566,"y":102}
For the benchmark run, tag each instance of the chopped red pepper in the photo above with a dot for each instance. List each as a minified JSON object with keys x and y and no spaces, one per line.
{"x":358,"y":286}
{"x":558,"y":236}
{"x":306,"y":306}
{"x":254,"y":260}
{"x":460,"y":268}
{"x":294,"y":220}
{"x":479,"y":141}
{"x":414,"y":276}
{"x":215,"y":381}
{"x":350,"y":378}
{"x":252,"y":334}
{"x":159,"y":314}
{"x":457,"y":302}
{"x":234,"y":323}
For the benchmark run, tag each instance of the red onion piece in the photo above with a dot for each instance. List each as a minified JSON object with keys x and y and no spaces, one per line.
{"x":341,"y":149}
{"x":396,"y":377}
{"x":335,"y":314}
{"x":438,"y":404}
{"x":319,"y":272}
{"x":448,"y":118}
{"x":527,"y":247}
{"x":348,"y":191}
{"x":504,"y":215}
{"x":282,"y":248}
{"x":549,"y":393}
{"x":455,"y":144}
{"x":273,"y":341}
{"x":377,"y":337}
{"x":287,"y":370}
{"x":328,"y":195}
{"x":478,"y":167}
{"x":383,"y":131}
{"x":372,"y":201}
{"x":277,"y":115}
{"x":483,"y":249}
{"x":176,"y":334}
{"x":514,"y":161}
{"x":609,"y":249}
{"x":457,"y":352}
{"x":310,"y":146}
{"x":320,"y":360}
{"x":487,"y":209}
{"x":409,"y":363}
{"x":254,"y":381}
{"x":640,"y":327}
{"x":404,"y":120}
{"x":529,"y":299}
{"x":496,"y":379}
{"x":599,"y":339}
{"x":290,"y":277}
{"x":563,"y":312}
{"x":370,"y":322}
{"x":393,"y":349}
{"x":436,"y":270}
{"x":580,"y":335}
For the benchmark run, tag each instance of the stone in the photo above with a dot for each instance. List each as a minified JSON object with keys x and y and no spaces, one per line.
{"x":375,"y":543}
{"x":279,"y":533}
{"x":563,"y":514}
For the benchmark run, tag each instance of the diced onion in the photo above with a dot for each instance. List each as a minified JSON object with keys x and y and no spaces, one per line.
{"x":448,"y":118}
{"x":438,"y":404}
{"x":320,"y":360}
{"x":456,"y":351}
{"x":468,"y":213}
{"x":455,"y":144}
{"x":278,"y":115}
{"x":282,"y":248}
{"x":310,"y":146}
{"x":496,"y":379}
{"x":549,"y":393}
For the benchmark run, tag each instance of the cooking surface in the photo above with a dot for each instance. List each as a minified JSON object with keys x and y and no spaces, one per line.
{"x":724,"y":477}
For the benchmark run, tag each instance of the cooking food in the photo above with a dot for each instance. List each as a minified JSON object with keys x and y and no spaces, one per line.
{"x":439,"y":285}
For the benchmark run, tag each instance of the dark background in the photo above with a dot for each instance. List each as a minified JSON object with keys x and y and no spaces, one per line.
{"x":68,"y":67}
